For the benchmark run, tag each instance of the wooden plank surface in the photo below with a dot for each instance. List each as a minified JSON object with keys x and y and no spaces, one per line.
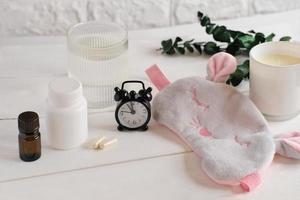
{"x":167,"y":177}
{"x":154,"y":164}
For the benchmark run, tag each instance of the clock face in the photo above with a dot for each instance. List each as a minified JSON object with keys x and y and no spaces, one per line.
{"x":133,"y":114}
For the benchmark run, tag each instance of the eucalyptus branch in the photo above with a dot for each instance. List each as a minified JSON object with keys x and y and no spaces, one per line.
{"x":231,"y":41}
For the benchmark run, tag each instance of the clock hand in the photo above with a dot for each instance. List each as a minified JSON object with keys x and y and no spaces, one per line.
{"x":132,"y":111}
{"x":131,"y":103}
{"x":130,"y":108}
{"x":126,"y":111}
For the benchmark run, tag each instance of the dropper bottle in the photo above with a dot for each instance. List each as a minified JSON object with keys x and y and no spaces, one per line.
{"x":29,"y":136}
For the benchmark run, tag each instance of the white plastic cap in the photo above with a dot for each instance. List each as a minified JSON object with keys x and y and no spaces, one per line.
{"x":64,"y":91}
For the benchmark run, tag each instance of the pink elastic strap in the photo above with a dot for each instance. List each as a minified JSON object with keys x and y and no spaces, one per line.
{"x":157,"y":77}
{"x":250,"y":182}
{"x":290,"y":134}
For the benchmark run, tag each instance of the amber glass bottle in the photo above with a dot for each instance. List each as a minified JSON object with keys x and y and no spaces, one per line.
{"x":29,"y":136}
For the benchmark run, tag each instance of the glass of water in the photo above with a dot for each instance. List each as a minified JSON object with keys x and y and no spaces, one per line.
{"x":98,"y":59}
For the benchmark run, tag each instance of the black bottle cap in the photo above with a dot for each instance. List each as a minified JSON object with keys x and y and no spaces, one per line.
{"x":28,"y":122}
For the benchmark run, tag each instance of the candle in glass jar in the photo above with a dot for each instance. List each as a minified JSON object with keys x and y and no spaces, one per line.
{"x":279,"y":59}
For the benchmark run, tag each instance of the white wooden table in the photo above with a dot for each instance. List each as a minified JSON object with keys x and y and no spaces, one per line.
{"x":144,"y":165}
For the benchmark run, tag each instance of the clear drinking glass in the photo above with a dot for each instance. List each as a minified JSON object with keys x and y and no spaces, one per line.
{"x":98,"y":59}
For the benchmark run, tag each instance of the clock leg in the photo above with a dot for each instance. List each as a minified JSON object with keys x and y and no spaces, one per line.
{"x":145,"y":128}
{"x":120,"y":128}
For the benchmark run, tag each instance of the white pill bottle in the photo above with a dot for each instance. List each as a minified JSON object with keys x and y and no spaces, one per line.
{"x":66,"y":115}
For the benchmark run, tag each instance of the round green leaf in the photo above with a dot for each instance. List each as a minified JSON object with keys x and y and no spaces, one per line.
{"x":211,"y":48}
{"x":233,"y":48}
{"x":221,"y":34}
{"x":237,"y":77}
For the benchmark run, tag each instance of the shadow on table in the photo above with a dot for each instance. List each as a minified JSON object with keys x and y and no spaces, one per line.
{"x":195,"y":172}
{"x":193,"y":169}
{"x":166,"y":134}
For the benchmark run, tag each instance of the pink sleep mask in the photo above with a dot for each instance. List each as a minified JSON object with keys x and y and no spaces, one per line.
{"x":220,"y":124}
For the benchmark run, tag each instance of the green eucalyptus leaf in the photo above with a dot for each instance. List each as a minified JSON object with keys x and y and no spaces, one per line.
{"x":188,"y":46}
{"x":211,"y":48}
{"x":235,"y":34}
{"x":246,"y":40}
{"x":270,"y":37}
{"x":233,"y":48}
{"x":180,"y":50}
{"x":237,"y":77}
{"x":253,"y":44}
{"x":259,"y":37}
{"x":200,"y":14}
{"x":222,"y":37}
{"x":171,"y":51}
{"x":197,"y":46}
{"x":221,"y":34}
{"x":205,"y":21}
{"x":244,"y":67}
{"x":209,"y":28}
{"x":217,"y":29}
{"x":167,"y":45}
{"x":188,"y":41}
{"x":190,"y":49}
{"x":285,"y":38}
{"x":178,"y":39}
{"x":238,"y":42}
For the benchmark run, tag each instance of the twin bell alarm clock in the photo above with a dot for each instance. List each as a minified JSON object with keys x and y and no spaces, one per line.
{"x":133,"y":110}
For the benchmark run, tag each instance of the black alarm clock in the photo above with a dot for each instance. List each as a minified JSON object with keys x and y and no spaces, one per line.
{"x":133,"y":110}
